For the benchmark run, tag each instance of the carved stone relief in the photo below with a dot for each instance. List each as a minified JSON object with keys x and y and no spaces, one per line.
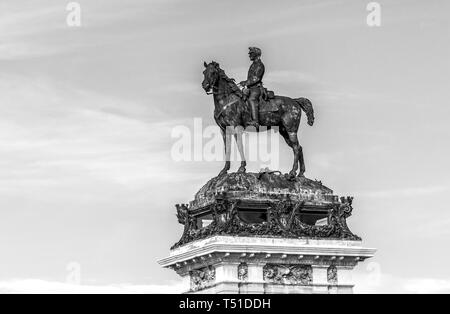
{"x":332,"y":275}
{"x":243,"y":272}
{"x":288,"y":274}
{"x":202,"y":278}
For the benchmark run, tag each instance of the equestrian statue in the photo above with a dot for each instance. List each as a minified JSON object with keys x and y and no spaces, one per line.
{"x":254,"y":107}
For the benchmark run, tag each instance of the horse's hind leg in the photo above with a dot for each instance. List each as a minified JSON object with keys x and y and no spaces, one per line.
{"x":291,"y":123}
{"x":301,"y":162}
{"x":298,"y":155}
{"x":292,"y":140}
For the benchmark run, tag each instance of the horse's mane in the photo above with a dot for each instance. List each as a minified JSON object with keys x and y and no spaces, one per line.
{"x":231,"y":81}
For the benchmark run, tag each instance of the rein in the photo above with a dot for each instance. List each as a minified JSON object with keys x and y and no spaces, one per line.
{"x":225,"y":107}
{"x":227,"y":93}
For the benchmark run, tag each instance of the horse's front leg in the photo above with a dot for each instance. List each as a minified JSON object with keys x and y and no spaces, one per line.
{"x":226,"y":135}
{"x":238,"y":136}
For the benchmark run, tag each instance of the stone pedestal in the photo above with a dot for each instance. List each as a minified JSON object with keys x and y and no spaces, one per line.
{"x":266,"y":233}
{"x":235,"y":264}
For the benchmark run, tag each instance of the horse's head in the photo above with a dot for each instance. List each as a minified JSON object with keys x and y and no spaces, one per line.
{"x":211,"y":75}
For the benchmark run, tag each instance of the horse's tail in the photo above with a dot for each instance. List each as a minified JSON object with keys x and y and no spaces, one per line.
{"x":307,"y":107}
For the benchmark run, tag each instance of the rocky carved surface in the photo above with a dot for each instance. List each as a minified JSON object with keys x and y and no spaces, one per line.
{"x":265,"y":185}
{"x":202,"y":278}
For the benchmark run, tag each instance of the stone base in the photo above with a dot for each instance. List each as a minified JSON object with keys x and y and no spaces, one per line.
{"x":234,"y":265}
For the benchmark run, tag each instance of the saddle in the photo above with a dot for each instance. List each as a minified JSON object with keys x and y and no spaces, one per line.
{"x":266,"y":103}
{"x":266,"y":94}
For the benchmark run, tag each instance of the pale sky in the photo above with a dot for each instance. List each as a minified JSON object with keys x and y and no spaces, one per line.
{"x":86,"y":116}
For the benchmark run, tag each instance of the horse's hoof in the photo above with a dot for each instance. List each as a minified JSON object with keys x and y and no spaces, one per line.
{"x":222,"y":173}
{"x":301,"y":175}
{"x":242,"y":170}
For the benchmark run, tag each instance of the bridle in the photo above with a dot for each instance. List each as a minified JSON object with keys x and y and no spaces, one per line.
{"x":218,"y":114}
{"x":214,"y":90}
{"x":227,"y":93}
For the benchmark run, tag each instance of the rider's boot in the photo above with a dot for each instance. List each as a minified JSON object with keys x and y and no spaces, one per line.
{"x":255,"y":115}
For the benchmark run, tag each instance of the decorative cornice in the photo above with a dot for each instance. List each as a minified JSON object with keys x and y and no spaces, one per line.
{"x":304,"y":248}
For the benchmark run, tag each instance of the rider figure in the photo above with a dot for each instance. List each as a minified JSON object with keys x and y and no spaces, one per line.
{"x":253,"y":83}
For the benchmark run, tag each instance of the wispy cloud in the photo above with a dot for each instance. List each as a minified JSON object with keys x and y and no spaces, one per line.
{"x":23,"y":25}
{"x":29,"y":29}
{"x":37,"y":286}
{"x":366,"y":283}
{"x":427,"y":285}
{"x":374,"y":283}
{"x":406,"y":192}
{"x":283,"y":76}
{"x":45,"y":127}
{"x":435,"y":228}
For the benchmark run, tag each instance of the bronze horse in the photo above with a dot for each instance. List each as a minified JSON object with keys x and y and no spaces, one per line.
{"x":232,"y":113}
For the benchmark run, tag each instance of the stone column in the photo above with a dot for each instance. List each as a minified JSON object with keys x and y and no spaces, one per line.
{"x":320,"y":279}
{"x":227,"y":277}
{"x":226,"y":272}
{"x":255,"y":278}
